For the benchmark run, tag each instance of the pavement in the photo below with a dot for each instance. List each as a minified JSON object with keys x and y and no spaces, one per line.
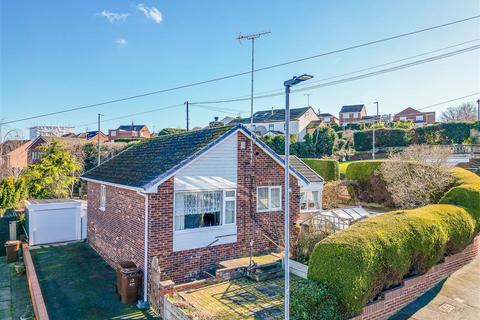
{"x":456,"y":298}
{"x":14,"y":296}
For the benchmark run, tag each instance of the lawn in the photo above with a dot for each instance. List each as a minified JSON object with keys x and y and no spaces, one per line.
{"x":77,"y":283}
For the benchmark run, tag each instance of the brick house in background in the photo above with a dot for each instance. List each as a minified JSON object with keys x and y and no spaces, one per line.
{"x":328,"y":118}
{"x":417,"y":117}
{"x":35,"y":152}
{"x":129,"y":132}
{"x":13,"y":156}
{"x":199,"y":196}
{"x":91,"y":136}
{"x":352,"y":114}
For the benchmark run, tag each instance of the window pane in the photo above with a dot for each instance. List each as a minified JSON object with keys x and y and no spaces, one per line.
{"x":262,"y":199}
{"x":229,"y":211}
{"x":303,"y":201}
{"x":316,"y":199}
{"x":276,"y":199}
{"x":230,"y":194}
{"x":311,"y":203}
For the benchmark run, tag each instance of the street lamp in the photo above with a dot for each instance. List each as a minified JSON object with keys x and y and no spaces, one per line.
{"x":375,"y":119}
{"x":288,"y":84}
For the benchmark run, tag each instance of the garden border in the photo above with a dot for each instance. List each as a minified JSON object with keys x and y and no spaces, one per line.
{"x":39,"y":307}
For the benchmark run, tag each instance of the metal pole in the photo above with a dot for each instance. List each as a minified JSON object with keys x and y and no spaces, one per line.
{"x":373,"y":133}
{"x":98,"y":138}
{"x":478,"y":110}
{"x":251,"y":99}
{"x":287,"y":204}
{"x":188,"y":116}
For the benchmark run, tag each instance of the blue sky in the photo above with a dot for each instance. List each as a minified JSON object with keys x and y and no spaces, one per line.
{"x":61,"y":54}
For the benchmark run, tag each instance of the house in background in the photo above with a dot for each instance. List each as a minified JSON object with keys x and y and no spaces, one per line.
{"x":199,"y":197}
{"x":13,"y":156}
{"x":328,"y":118}
{"x":274,"y":121}
{"x":129,"y":132}
{"x":417,"y":117}
{"x":352,"y":114}
{"x":50,"y":131}
{"x":35,"y":150}
{"x":91,"y":136}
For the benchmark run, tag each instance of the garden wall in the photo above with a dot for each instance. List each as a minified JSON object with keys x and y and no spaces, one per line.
{"x":395,"y":299}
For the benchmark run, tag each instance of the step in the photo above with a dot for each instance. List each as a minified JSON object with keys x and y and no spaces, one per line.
{"x":264,"y":273}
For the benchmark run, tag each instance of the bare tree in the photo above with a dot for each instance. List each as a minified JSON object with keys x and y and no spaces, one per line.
{"x":418,"y":176}
{"x":464,"y":112}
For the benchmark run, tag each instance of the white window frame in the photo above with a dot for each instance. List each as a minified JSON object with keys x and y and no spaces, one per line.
{"x":326,"y":119}
{"x":113,"y":133}
{"x":307,"y":202}
{"x":102,"y":198}
{"x":356,"y":115}
{"x":271,"y":127}
{"x":419,"y":118}
{"x":403,"y":118}
{"x":222,"y":215}
{"x":270,"y":208}
{"x":346,"y":115}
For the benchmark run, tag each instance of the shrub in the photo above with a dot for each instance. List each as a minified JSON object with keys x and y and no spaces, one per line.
{"x":395,"y":137}
{"x":377,"y":253}
{"x":455,"y":132}
{"x":306,"y":241}
{"x":311,"y":300}
{"x":362,"y":170}
{"x":11,"y":192}
{"x":326,"y":168}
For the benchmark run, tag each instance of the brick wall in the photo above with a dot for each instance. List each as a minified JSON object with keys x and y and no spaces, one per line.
{"x":396,"y":299}
{"x":181,"y":266}
{"x":117,"y":233}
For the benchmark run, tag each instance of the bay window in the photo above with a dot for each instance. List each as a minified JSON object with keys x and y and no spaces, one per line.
{"x":310,"y":200}
{"x":204,"y":209}
{"x":269,"y":198}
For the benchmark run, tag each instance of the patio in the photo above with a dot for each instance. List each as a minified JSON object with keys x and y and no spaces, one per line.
{"x":77,"y":283}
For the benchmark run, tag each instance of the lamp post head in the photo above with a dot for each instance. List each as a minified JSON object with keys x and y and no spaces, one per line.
{"x":297,"y":79}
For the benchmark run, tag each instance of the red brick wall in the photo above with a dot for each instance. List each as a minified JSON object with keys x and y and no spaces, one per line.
{"x":182,"y":265}
{"x":117,"y":233}
{"x":17,"y":158}
{"x":396,"y":299}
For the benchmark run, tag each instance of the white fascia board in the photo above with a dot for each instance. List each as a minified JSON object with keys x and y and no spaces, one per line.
{"x":113,"y":184}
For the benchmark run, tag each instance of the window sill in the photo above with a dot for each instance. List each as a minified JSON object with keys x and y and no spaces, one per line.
{"x":101,"y":208}
{"x":269,"y":210}
{"x":206,"y":229}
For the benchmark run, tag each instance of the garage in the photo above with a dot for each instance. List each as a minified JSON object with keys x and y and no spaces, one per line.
{"x":56,"y":220}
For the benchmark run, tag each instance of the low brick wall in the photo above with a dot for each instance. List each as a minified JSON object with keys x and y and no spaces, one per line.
{"x":395,"y":299}
{"x":38,"y":303}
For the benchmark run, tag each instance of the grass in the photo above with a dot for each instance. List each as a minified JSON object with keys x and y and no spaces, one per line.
{"x":78,"y":284}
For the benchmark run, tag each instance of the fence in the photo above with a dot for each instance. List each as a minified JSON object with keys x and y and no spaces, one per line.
{"x":465,"y":148}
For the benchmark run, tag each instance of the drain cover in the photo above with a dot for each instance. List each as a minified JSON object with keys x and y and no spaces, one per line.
{"x":446,"y":307}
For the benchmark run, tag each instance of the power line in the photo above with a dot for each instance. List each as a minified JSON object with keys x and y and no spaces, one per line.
{"x":362,"y":76}
{"x":246,"y":72}
{"x":222,"y":110}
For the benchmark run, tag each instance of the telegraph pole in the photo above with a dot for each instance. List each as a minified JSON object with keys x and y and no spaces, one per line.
{"x":252,"y":38}
{"x":98,"y":138}
{"x":188,"y":115}
{"x":308,"y":98}
{"x":478,"y":110}
{"x":373,"y":132}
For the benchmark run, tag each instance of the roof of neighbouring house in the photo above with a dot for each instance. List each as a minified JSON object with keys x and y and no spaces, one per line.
{"x":11,"y":145}
{"x":304,"y":169}
{"x":408,"y":111}
{"x":130,"y":127}
{"x":152,"y":160}
{"x":326,"y":115}
{"x":352,"y":108}
{"x":274,"y":115}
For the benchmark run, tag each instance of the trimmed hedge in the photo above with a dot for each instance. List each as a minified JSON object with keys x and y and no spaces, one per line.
{"x":358,"y":263}
{"x":326,"y":168}
{"x":377,"y":253}
{"x":362,"y":170}
{"x":395,"y":137}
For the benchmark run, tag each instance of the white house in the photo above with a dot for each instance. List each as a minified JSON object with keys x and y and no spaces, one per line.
{"x":273,"y":121}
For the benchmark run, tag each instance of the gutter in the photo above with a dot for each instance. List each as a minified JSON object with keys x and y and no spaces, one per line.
{"x":143,"y":304}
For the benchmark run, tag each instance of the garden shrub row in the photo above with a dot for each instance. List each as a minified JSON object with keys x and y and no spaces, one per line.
{"x":442,"y":133}
{"x":377,"y":253}
{"x":326,"y":168}
{"x":362,"y":170}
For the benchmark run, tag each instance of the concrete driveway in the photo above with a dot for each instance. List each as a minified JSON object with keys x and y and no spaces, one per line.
{"x":458,"y":297}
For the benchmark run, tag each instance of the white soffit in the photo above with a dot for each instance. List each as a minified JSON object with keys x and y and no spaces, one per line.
{"x":191,"y":183}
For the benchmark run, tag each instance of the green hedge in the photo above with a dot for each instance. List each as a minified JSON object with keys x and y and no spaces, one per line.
{"x":358,"y":263}
{"x":326,"y":168}
{"x":377,"y":253}
{"x":395,"y":137}
{"x":362,"y":170}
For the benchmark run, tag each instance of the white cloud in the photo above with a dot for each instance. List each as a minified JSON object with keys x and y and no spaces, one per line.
{"x":121,"y":42}
{"x":150,"y":12}
{"x":113,"y":17}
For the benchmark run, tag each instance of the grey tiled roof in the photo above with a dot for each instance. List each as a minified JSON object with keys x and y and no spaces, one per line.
{"x":352,"y":108}
{"x":131,"y":127}
{"x":149,"y":159}
{"x":274,"y":115}
{"x":302,"y":168}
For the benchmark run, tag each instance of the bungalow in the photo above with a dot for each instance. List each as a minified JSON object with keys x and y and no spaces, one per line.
{"x":129,"y":132}
{"x":417,"y":117}
{"x":89,"y":136}
{"x":191,"y":200}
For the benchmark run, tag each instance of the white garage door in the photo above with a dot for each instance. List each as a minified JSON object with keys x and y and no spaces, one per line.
{"x":50,"y":222}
